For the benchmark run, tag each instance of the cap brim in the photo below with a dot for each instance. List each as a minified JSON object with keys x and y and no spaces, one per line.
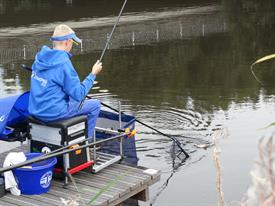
{"x":76,"y":39}
{"x":75,"y":42}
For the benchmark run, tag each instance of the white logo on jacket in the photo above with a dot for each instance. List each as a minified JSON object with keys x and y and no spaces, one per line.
{"x":42,"y":81}
{"x":2,"y":118}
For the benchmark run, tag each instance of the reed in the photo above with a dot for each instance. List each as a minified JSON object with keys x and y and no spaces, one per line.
{"x":74,"y":200}
{"x":262,"y":190}
{"x":217,"y":135}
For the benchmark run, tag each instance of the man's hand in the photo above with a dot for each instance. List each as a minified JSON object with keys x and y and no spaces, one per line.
{"x":97,"y":68}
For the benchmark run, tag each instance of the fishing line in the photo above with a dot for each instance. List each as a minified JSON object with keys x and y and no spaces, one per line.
{"x":108,"y":41}
{"x":114,"y":27}
{"x":174,"y":139}
{"x":100,"y":59}
{"x":152,"y":128}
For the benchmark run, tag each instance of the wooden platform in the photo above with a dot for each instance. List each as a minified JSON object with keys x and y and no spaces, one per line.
{"x":121,"y":182}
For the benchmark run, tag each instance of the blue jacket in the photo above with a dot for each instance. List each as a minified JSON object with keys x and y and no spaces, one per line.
{"x":53,"y":82}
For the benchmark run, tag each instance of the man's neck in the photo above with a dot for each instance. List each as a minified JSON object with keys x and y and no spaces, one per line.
{"x":60,"y":48}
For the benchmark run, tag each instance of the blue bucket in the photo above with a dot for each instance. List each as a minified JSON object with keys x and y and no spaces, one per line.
{"x":37,"y":179}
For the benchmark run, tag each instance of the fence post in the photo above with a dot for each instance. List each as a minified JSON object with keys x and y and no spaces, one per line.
{"x":133,"y":38}
{"x":24,"y":52}
{"x":157,"y":34}
{"x":108,"y":40}
{"x":181,"y":31}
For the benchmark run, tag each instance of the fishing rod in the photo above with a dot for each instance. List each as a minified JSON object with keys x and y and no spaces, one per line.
{"x":114,"y":27}
{"x":142,"y":123}
{"x":127,"y":132}
{"x":150,"y":127}
{"x":109,"y":39}
{"x":109,"y":36}
{"x":100,"y":59}
{"x":59,"y":153}
{"x":64,"y":148}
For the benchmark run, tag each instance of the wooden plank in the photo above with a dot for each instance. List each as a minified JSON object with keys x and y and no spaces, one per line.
{"x":85,"y":195}
{"x":3,"y":203}
{"x":127,"y":196}
{"x":138,"y":169}
{"x":130,"y":173}
{"x":80,"y":198}
{"x":133,"y":183}
{"x":68,"y":195}
{"x":133,"y":170}
{"x":107,"y":173}
{"x":122,"y":183}
{"x":99,"y":186}
{"x":86,"y":192}
{"x":88,"y":179}
{"x":81,"y":189}
{"x":30,"y":200}
{"x":142,"y":196}
{"x":109,"y":178}
{"x":47,"y":197}
{"x":16,"y":201}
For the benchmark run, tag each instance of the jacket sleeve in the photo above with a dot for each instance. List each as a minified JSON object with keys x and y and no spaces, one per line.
{"x":72,"y":85}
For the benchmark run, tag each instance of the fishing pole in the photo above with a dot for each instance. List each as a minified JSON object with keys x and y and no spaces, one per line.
{"x":100,"y":59}
{"x":120,"y":131}
{"x":59,"y":153}
{"x":150,"y":127}
{"x":108,"y":40}
{"x":142,"y":123}
{"x":114,"y":27}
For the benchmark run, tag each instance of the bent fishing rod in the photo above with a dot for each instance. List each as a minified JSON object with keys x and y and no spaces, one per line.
{"x":100,"y":59}
{"x":142,"y":123}
{"x":109,"y":39}
{"x":114,"y":27}
{"x":150,"y":127}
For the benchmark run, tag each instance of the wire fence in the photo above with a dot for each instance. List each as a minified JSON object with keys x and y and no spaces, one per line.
{"x":127,"y":35}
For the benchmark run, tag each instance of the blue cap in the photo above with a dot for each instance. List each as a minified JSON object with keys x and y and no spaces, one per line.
{"x":66,"y":37}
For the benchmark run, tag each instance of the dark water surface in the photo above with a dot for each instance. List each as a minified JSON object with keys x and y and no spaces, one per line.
{"x":183,"y":67}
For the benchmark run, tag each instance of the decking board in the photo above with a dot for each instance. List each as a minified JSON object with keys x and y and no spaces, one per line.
{"x":103,"y":178}
{"x":126,"y":180}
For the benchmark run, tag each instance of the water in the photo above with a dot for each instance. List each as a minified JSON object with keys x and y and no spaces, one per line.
{"x":185,"y":72}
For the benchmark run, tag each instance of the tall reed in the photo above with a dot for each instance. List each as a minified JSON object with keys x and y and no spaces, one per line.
{"x":262,"y":190}
{"x":74,"y":200}
{"x":217,"y":135}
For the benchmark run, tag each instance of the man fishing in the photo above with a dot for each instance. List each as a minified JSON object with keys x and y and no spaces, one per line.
{"x":56,"y":91}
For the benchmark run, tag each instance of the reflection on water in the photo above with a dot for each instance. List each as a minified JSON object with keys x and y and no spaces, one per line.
{"x":22,"y":43}
{"x":18,"y":13}
{"x":187,"y":76}
{"x":10,"y":83}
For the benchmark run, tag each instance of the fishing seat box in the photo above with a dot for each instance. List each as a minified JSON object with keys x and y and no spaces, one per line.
{"x":47,"y":137}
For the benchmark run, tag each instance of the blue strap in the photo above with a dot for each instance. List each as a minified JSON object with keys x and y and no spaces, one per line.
{"x":62,"y":38}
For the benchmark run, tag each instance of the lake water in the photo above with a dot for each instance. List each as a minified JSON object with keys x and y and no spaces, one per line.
{"x":182,"y":67}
